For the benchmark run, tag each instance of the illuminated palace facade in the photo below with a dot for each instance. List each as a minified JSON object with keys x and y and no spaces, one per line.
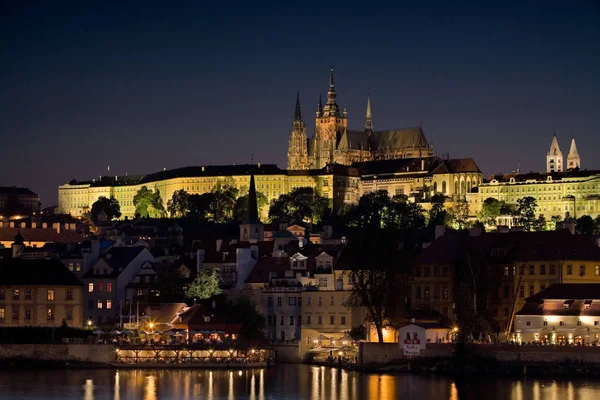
{"x":557,"y":192}
{"x":417,"y":178}
{"x":340,"y":163}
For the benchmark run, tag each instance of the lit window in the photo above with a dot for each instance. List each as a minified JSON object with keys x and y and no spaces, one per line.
{"x":2,"y":313}
{"x":108,"y":287}
{"x":99,"y":304}
{"x":50,"y":295}
{"x":50,"y":314}
{"x":108,"y":304}
{"x":16,"y":294}
{"x":90,"y":287}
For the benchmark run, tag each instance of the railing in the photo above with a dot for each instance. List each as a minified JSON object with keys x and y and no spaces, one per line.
{"x":179,"y":354}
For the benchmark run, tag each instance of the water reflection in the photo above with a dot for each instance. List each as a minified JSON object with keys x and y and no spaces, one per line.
{"x":283,"y":382}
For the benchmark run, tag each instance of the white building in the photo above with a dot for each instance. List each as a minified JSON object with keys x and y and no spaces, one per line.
{"x":566,"y":313}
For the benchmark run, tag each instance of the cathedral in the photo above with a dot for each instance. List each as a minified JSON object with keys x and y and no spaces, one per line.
{"x":334,"y":143}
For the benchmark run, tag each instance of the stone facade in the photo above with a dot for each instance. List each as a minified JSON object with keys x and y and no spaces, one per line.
{"x":334,"y":143}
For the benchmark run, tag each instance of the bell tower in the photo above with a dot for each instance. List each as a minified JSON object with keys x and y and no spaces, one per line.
{"x":554,"y":158}
{"x":329,"y":127}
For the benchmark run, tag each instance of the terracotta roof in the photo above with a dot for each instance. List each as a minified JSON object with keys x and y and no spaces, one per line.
{"x":6,"y":190}
{"x":457,"y":165}
{"x":41,"y":235}
{"x":568,"y":291}
{"x":118,"y":258}
{"x":520,"y":247}
{"x":267,"y":265}
{"x":193,"y":317}
{"x":18,"y":271}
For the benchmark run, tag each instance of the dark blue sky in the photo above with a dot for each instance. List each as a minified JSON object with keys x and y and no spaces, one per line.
{"x":142,"y":86}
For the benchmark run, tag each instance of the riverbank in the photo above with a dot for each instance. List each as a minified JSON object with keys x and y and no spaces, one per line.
{"x":32,"y":363}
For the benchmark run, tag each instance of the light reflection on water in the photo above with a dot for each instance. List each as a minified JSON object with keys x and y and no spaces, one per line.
{"x":281,"y":382}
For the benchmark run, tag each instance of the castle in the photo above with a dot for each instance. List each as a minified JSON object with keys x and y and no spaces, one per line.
{"x":334,"y":143}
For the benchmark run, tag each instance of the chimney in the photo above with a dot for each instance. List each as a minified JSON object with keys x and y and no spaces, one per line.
{"x":219,"y":244}
{"x":440,"y":230}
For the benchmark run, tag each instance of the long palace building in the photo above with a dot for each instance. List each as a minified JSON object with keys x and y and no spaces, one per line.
{"x":417,"y":178}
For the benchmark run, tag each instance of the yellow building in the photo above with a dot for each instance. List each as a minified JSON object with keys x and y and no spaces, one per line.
{"x":40,"y":293}
{"x":417,"y":178}
{"x":557,"y":193}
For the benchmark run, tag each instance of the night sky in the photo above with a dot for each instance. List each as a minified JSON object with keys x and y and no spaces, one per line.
{"x":143,"y":86}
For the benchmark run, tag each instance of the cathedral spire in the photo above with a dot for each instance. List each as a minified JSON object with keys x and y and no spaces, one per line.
{"x":554,"y":157}
{"x":320,"y":108}
{"x":252,"y":203}
{"x":298,"y":113}
{"x":368,"y":117}
{"x":331,"y":108}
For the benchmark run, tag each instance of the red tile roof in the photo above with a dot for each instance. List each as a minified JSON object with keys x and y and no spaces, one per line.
{"x":40,"y":235}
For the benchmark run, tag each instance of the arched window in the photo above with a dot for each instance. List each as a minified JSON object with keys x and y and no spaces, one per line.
{"x":444,"y":187}
{"x":455,"y":187}
{"x":468,"y":186}
{"x":462,"y":186}
{"x":434,"y":187}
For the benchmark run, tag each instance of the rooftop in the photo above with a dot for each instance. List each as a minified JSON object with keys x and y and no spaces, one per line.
{"x":42,"y":272}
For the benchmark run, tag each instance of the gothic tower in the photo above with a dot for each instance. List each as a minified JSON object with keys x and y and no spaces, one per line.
{"x":252,"y":230}
{"x":573,"y":160}
{"x":554,"y":158}
{"x":297,"y":151}
{"x":368,"y":117}
{"x":329,"y":128}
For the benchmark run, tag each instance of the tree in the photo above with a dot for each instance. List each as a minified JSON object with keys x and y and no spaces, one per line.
{"x":220,"y":208}
{"x":199,"y":205}
{"x":358,"y":333}
{"x":148,"y":203}
{"x":437,"y":213}
{"x":375,"y":260}
{"x":302,"y":204}
{"x":179,"y":205}
{"x":585,"y":225}
{"x":240,"y":210}
{"x":110,"y":206}
{"x":458,"y":214}
{"x":490,"y":210}
{"x":597,"y":225}
{"x":244,"y":309}
{"x":554,"y":220}
{"x":525,"y":214}
{"x":205,"y":285}
{"x":540,"y":223}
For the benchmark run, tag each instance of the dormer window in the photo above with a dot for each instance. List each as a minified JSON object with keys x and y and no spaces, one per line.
{"x":587,"y":304}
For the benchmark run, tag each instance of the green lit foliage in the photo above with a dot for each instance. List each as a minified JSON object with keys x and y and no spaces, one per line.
{"x":458,"y":214}
{"x":179,"y":205}
{"x":148,"y":203}
{"x":540,"y":224}
{"x":490,"y":210}
{"x":302,"y":204}
{"x":377,"y":210}
{"x":554,"y":220}
{"x":222,"y":203}
{"x":525,"y":214}
{"x":240,"y":210}
{"x":206,"y":285}
{"x":437,"y":213}
{"x":110,"y":206}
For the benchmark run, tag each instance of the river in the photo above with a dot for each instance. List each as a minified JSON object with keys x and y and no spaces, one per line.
{"x":281,"y":382}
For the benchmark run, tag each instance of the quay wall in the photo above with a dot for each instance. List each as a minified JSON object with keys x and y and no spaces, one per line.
{"x":92,"y":353}
{"x":386,"y":353}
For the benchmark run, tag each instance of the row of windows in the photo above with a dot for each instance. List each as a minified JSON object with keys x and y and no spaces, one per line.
{"x":562,"y":323}
{"x":320,"y":301}
{"x":100,"y":304}
{"x":292,"y":301}
{"x":292,"y":319}
{"x":100,"y":287}
{"x":426,"y":271}
{"x":426,"y":293}
{"x":331,"y":320}
{"x":49,"y":314}
{"x":27,"y":294}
